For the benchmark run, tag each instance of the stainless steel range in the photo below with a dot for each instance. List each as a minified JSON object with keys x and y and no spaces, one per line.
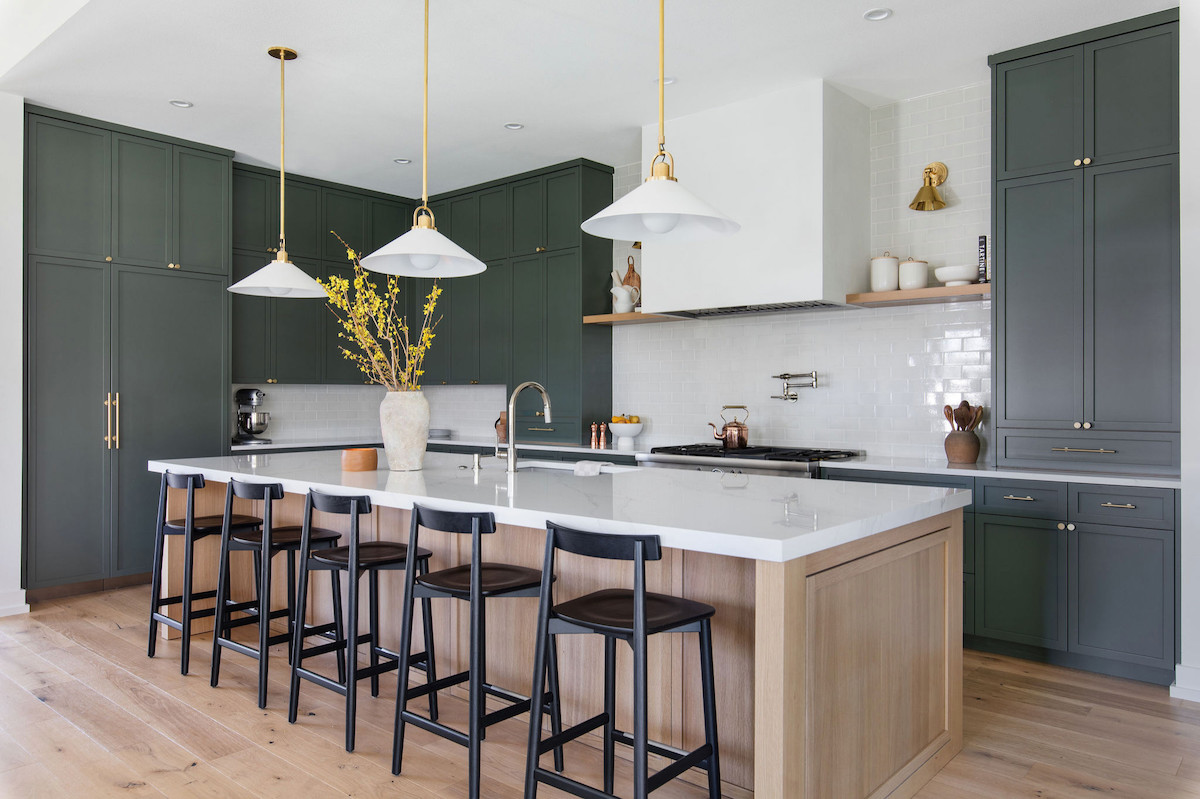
{"x":786,"y":461}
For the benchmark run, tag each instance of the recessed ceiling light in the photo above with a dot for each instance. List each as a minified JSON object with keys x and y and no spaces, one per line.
{"x":514,"y":126}
{"x":402,"y":160}
{"x":180,"y":103}
{"x":877,"y":14}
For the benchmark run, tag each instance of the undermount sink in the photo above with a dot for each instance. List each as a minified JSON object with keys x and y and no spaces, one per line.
{"x":549,"y":467}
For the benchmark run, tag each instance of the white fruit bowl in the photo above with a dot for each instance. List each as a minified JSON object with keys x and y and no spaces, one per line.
{"x":957,"y":275}
{"x":625,"y":432}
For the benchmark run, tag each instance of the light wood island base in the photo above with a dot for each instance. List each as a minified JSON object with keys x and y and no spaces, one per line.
{"x":839,"y":673}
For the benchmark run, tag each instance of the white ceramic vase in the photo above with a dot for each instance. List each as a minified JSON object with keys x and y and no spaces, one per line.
{"x":404,"y":417}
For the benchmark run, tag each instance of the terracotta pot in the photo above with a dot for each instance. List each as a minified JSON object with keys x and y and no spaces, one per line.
{"x":360,"y":460}
{"x":962,"y":446}
{"x":404,"y":420}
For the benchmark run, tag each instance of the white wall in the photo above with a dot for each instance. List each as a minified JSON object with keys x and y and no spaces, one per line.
{"x":885,"y":373}
{"x":12,"y":153}
{"x":1187,"y":676}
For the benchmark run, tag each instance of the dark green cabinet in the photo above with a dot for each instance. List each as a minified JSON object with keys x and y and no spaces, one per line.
{"x":98,"y":331}
{"x":1086,"y":216}
{"x":346,"y":214}
{"x":338,"y":368}
{"x":69,"y":189}
{"x":276,"y":340}
{"x":386,"y":221}
{"x":255,"y":211}
{"x":494,"y":317}
{"x":142,"y":201}
{"x":201,"y":212}
{"x":493,"y":223}
{"x":546,"y":212}
{"x":436,"y":366}
{"x":252,"y":341}
{"x":1021,"y":581}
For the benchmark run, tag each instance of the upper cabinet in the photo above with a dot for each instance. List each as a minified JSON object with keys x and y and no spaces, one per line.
{"x":113,"y":196}
{"x":1087,"y":253}
{"x":1091,"y":104}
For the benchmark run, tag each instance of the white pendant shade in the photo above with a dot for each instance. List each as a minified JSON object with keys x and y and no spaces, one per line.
{"x":423,"y":252}
{"x":660,"y":210}
{"x":280,"y":279}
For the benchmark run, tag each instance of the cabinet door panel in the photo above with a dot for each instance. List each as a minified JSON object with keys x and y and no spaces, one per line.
{"x":387,"y":221}
{"x":437,"y":359}
{"x":169,"y":365}
{"x":1122,"y":594}
{"x":1040,"y":301}
{"x":1133,"y":85}
{"x":464,"y":343}
{"x":1021,"y":581}
{"x":305,"y":235}
{"x":1133,"y":282}
{"x":528,"y":330}
{"x":202,"y":212}
{"x":252,"y":360}
{"x":338,"y":368}
{"x":528,"y":216}
{"x":67,"y":461}
{"x":1039,"y":114}
{"x":255,"y":211}
{"x":564,"y":333}
{"x":299,"y":336}
{"x":347,"y":215}
{"x":493,"y":223}
{"x":141,"y":201}
{"x":562,"y":210}
{"x":465,"y":213}
{"x":69,"y":207}
{"x":495,"y":323}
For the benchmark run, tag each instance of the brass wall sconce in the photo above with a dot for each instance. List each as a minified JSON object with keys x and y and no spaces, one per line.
{"x":928,"y":198}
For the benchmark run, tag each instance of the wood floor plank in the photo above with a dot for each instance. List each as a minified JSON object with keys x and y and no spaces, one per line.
{"x":32,"y":781}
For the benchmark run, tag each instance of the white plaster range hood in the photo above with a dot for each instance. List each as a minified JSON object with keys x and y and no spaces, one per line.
{"x":793,"y":167}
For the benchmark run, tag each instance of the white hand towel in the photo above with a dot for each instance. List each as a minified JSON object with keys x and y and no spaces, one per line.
{"x":587,"y":468}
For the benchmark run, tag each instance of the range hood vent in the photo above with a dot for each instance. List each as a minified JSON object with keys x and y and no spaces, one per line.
{"x":774,"y":307}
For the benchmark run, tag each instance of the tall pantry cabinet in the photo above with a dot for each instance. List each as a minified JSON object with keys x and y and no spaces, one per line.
{"x":1086,"y":221}
{"x":127,"y":261}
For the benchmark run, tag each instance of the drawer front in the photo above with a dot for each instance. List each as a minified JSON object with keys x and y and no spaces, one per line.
{"x":1123,"y":505}
{"x":1149,"y":453}
{"x":532,"y":430}
{"x":1038,"y":500}
{"x":900,"y":478}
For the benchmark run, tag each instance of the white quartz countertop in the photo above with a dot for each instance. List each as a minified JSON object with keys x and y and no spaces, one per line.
{"x":465,"y":443}
{"x":310,"y":441}
{"x":749,"y":516}
{"x":876,"y":463}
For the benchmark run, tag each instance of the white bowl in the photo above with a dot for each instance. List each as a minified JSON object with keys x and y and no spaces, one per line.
{"x":957,"y":275}
{"x":625,"y":431}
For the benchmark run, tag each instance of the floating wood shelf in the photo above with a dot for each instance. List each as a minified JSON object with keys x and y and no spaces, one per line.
{"x":882,"y":299}
{"x":633,"y":318}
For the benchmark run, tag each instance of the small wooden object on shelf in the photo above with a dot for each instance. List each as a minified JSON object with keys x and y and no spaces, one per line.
{"x":882,"y":299}
{"x":364,"y":459}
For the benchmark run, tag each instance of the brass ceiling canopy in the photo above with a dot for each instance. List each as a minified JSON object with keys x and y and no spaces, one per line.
{"x":282,"y":53}
{"x":928,"y":198}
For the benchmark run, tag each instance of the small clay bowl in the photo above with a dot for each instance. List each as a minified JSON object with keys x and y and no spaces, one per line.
{"x":365,"y":459}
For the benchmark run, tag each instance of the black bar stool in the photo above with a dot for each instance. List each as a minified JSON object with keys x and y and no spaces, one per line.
{"x":371,"y":557}
{"x":192,"y":529}
{"x":474,"y":582}
{"x":265,"y":543}
{"x":631,"y":616}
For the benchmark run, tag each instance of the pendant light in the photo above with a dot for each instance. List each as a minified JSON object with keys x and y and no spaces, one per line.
{"x":280,"y":278}
{"x":660,"y":209}
{"x":422,"y":251}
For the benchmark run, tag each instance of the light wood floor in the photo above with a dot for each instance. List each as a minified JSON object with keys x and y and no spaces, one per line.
{"x":83,"y":711}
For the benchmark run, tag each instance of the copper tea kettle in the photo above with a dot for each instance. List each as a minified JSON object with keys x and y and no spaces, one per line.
{"x":734,"y":434}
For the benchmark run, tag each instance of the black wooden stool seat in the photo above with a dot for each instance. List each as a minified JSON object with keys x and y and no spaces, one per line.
{"x":265,"y":541}
{"x":473,"y":583}
{"x":371,"y":558}
{"x":284,"y":537}
{"x":611,"y":611}
{"x":370,"y":553}
{"x":211,"y":525}
{"x":619,"y":615}
{"x":495,"y":579}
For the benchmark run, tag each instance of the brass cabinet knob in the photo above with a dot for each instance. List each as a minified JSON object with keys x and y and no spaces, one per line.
{"x":1062,"y":526}
{"x":1078,"y":162}
{"x":1087,"y":425}
{"x":108,"y":257}
{"x":474,"y":382}
{"x":1070,"y":527}
{"x":539,"y":413}
{"x":1087,"y":161}
{"x":1077,"y":425}
{"x":539,"y":249}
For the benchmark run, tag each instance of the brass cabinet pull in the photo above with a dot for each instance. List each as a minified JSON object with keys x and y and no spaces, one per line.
{"x":1087,"y":161}
{"x":539,"y":413}
{"x":1126,"y":506}
{"x":1022,"y":499}
{"x":108,"y":419}
{"x":540,"y":429}
{"x":1073,"y":449}
{"x":1078,"y":162}
{"x":474,"y":382}
{"x":539,"y":249}
{"x":117,"y":414}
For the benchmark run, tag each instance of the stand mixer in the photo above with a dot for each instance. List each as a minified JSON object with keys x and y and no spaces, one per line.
{"x":250,"y":422}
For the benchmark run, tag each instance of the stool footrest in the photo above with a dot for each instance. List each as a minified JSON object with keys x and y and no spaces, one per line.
{"x":322,"y":680}
{"x":449,"y":733}
{"x":237,"y":646}
{"x":176,"y":600}
{"x":571,"y":733}
{"x":439,"y":685}
{"x":697,"y":758}
{"x":515,"y":709}
{"x":569,"y":785}
{"x":653,"y":747}
{"x":379,"y":668}
{"x":163,"y":618}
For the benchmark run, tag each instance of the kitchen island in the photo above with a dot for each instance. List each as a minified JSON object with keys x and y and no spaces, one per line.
{"x":838,"y":629}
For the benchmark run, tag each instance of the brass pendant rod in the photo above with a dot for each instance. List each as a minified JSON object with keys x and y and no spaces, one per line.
{"x":282,"y":200}
{"x":662,"y":25}
{"x":425,"y":119}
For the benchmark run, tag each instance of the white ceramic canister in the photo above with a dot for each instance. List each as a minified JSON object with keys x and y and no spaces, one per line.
{"x":885,"y":272}
{"x":914,"y":274}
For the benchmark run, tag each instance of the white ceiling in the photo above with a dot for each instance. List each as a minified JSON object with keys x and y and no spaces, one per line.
{"x":580,"y":74}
